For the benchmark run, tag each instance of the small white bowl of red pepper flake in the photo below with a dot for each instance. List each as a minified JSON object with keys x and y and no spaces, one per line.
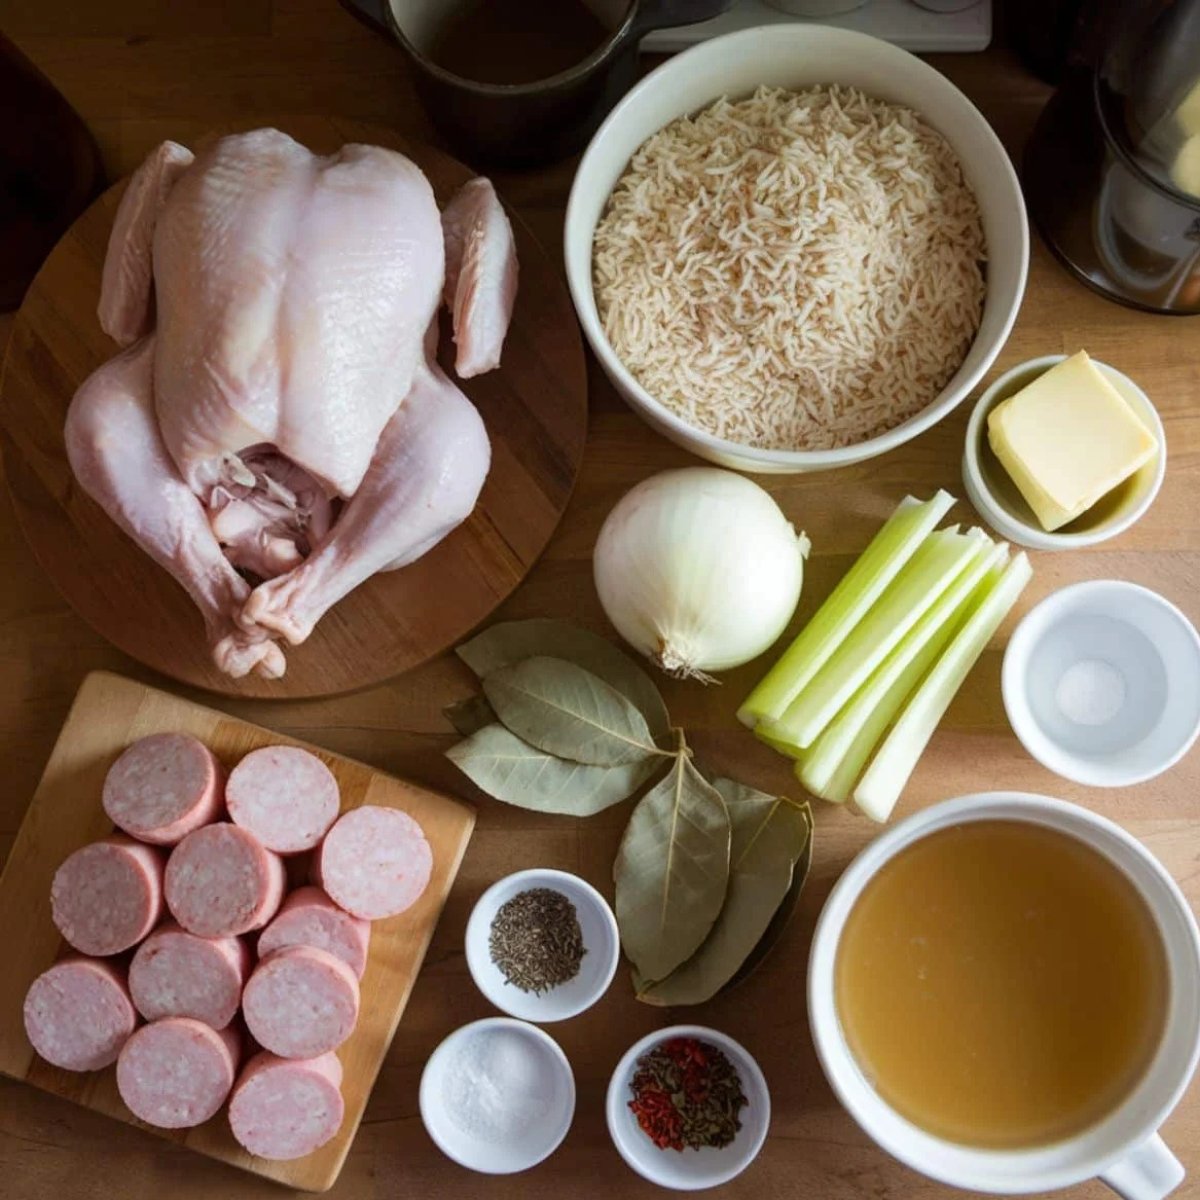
{"x":688,"y":1108}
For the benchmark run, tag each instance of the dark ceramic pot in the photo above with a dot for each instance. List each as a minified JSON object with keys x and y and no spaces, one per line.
{"x":530,"y":123}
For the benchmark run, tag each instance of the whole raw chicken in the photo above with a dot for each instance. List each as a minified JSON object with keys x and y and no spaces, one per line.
{"x":277,"y":429}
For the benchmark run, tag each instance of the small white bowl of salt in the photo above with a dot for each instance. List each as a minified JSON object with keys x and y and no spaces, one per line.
{"x":1101,"y":683}
{"x":498,"y":1096}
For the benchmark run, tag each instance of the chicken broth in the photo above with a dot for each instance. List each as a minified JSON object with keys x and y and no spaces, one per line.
{"x":1001,"y":984}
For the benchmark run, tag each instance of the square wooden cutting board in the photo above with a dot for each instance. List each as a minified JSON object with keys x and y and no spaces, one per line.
{"x":108,"y":714}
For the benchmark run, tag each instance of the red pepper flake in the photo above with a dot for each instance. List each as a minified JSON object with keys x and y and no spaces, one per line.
{"x":686,"y":1092}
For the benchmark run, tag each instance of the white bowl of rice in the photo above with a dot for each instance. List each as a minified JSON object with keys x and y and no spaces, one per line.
{"x":795,"y":247}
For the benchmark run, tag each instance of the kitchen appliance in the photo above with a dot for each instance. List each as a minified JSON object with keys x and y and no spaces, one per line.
{"x":1112,"y":171}
{"x":917,"y":25}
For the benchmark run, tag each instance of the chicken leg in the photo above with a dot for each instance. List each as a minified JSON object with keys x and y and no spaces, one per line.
{"x":426,"y":475}
{"x":119,"y":458}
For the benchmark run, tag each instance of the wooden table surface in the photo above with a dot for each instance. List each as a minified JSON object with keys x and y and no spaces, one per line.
{"x":142,"y":70}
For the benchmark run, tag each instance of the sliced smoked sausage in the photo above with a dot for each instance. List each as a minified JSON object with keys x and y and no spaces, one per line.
{"x":221,"y":881}
{"x":176,"y":1073}
{"x":301,"y":1002}
{"x":177,"y":974}
{"x":374,"y":862}
{"x":78,"y":1013}
{"x":287,"y":1107}
{"x":162,"y":787}
{"x":285,"y":796}
{"x":107,"y":896}
{"x":308,"y":917}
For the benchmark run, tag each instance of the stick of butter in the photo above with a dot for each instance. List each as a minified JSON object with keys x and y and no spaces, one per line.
{"x":1067,"y":439}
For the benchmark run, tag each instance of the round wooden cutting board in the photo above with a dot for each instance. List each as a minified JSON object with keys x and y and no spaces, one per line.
{"x":534,"y":406}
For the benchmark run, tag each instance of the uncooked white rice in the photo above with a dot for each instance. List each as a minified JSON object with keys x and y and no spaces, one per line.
{"x":796,"y":270}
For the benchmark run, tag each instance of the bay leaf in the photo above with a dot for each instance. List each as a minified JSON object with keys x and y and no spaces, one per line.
{"x":559,"y":707}
{"x":780,"y":921}
{"x":512,"y":641}
{"x":505,"y":767}
{"x":770,"y":836}
{"x":671,"y":870}
{"x":470,"y":715}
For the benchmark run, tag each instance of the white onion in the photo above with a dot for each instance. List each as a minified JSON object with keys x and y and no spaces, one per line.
{"x":699,"y":569}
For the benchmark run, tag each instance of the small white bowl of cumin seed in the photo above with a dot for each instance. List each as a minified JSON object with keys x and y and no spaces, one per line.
{"x":523,"y":944}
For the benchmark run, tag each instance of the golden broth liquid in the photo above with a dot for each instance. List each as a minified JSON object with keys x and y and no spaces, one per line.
{"x":1001,"y":984}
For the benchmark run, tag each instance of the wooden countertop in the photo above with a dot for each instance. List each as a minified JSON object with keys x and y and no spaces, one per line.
{"x":139,"y":71}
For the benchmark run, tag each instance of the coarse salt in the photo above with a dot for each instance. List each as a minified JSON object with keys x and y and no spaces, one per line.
{"x":498,"y":1085}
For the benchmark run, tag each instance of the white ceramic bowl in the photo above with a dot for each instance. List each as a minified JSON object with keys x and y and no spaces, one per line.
{"x":997,"y":499}
{"x":1123,"y":1148}
{"x":601,"y":942}
{"x":689,"y":1170}
{"x":797,"y":56}
{"x":490,"y":1155}
{"x":1101,"y":683}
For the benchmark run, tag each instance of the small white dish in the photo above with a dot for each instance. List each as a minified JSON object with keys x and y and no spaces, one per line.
{"x":689,"y":1170}
{"x":490,"y":1155}
{"x":1000,"y":503}
{"x":601,"y":943}
{"x":1101,"y":683}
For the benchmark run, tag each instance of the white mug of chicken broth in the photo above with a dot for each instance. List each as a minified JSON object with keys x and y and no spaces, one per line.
{"x":1004,"y":992}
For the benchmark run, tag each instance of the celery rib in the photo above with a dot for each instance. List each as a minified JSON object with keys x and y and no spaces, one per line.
{"x":835,"y":759}
{"x":880,"y":787}
{"x":891,"y":548}
{"x":942,"y":558}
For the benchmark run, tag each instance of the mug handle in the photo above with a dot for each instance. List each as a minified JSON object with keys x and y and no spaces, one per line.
{"x":665,"y":14}
{"x":1150,"y":1172}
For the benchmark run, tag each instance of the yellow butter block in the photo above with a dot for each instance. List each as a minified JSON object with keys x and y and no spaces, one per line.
{"x":1185,"y":171}
{"x":1188,"y":112}
{"x":1067,"y":439}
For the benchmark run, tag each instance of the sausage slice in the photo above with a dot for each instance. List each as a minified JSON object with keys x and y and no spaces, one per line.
{"x":108,"y":895}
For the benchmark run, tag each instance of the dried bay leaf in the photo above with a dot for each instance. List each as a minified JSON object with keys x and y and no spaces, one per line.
{"x":512,"y":641}
{"x":770,"y":836}
{"x":671,"y":870}
{"x":564,"y":710}
{"x":501,"y":764}
{"x":470,"y":715}
{"x":780,"y":921}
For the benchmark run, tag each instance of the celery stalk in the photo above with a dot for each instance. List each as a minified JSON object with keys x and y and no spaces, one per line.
{"x":860,"y":587}
{"x":834,"y":760}
{"x":884,"y":780}
{"x":942,"y":558}
{"x":777,"y":743}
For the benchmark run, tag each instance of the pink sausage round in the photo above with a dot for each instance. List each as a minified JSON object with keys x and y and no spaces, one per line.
{"x":177,"y":974}
{"x":176,"y":1073}
{"x":163,"y":787}
{"x":78,"y":1014}
{"x":287,"y":1107}
{"x":374,"y":862}
{"x":301,"y":1002}
{"x":221,"y":881}
{"x":285,"y":796}
{"x":309,"y":918}
{"x":107,"y":896}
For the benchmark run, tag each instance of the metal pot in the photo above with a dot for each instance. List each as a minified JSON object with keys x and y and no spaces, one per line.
{"x":529,"y":123}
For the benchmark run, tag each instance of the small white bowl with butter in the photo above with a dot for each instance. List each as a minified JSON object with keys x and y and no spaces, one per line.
{"x":998,"y":497}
